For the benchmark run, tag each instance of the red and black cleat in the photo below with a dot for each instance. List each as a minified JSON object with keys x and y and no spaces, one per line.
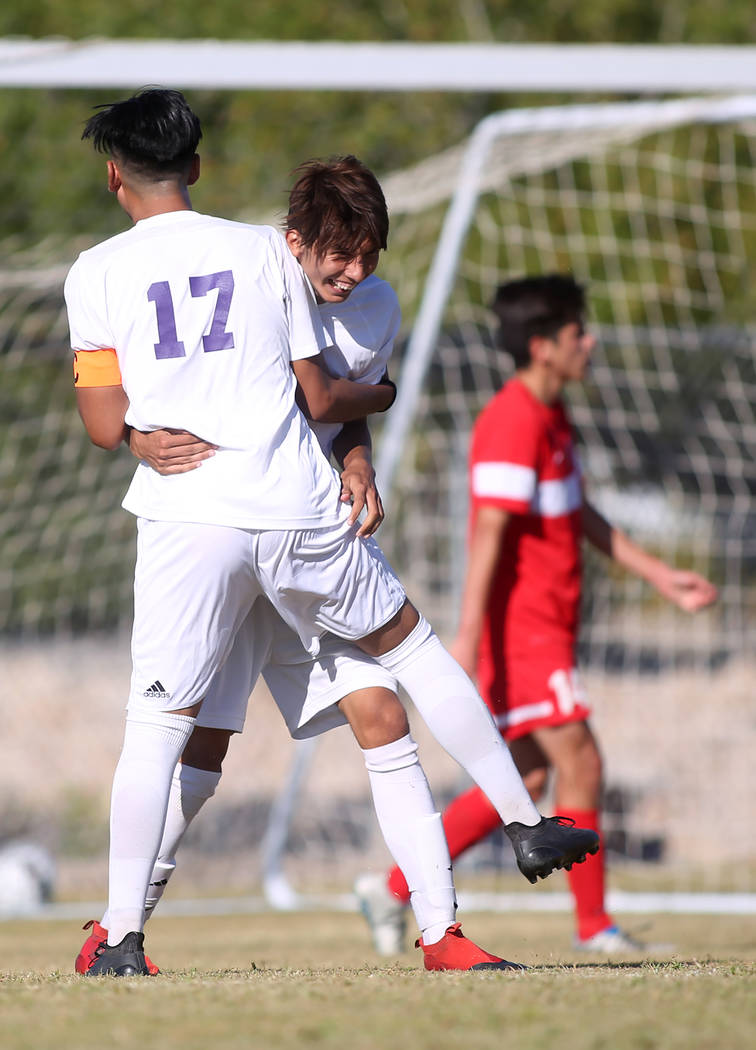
{"x":95,"y":945}
{"x":455,"y":952}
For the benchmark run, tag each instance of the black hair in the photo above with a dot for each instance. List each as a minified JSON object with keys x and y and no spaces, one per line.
{"x":154,"y":132}
{"x":535,"y":306}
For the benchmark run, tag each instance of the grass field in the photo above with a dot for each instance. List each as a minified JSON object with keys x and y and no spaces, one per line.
{"x":285,"y":981}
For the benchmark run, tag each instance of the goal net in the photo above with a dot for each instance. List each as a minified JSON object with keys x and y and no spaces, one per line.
{"x":653,"y":207}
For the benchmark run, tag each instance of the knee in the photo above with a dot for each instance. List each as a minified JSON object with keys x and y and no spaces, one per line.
{"x":376,"y":718}
{"x":207,"y":748}
{"x":383,"y":726}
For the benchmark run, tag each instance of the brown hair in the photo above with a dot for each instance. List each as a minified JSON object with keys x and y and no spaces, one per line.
{"x":337,"y":205}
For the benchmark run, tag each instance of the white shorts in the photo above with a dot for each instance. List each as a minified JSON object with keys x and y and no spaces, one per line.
{"x":195,"y":584}
{"x":306,"y":689}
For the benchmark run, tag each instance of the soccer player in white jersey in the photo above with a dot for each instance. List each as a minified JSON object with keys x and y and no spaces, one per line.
{"x":210,"y":326}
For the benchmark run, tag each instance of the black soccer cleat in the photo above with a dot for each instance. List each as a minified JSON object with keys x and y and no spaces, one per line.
{"x":553,"y":843}
{"x":121,"y":960}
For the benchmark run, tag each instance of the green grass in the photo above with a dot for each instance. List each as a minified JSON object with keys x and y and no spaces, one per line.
{"x":285,"y":981}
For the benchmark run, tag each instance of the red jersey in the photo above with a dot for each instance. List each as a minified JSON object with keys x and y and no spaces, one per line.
{"x":523,"y":460}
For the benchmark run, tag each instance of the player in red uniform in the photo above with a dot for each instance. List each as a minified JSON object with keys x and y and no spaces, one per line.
{"x":520,"y":607}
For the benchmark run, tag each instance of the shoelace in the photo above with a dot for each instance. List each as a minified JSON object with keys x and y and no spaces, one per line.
{"x":102,"y":945}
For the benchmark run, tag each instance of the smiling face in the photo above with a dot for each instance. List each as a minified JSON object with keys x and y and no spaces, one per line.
{"x":335,"y":274}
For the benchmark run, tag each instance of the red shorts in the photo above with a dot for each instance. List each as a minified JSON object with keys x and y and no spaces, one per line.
{"x":534,"y":691}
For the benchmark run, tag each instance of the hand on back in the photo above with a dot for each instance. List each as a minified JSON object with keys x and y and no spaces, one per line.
{"x":170,"y":451}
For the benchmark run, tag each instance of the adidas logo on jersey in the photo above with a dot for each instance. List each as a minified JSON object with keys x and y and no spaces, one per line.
{"x":157,"y":692}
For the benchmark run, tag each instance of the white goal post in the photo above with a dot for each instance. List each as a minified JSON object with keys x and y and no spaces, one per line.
{"x":573,"y":132}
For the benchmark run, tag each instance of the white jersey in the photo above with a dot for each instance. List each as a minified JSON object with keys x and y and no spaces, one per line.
{"x":206,"y":316}
{"x":306,"y":689}
{"x":361,"y":331}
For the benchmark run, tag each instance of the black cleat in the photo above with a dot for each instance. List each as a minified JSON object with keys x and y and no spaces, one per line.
{"x":553,"y":843}
{"x":121,"y":960}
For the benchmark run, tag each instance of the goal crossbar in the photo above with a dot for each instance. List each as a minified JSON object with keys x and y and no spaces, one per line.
{"x":376,"y":66}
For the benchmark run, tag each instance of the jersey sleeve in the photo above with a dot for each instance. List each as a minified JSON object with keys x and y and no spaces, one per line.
{"x":504,"y":457}
{"x":392,"y":313}
{"x":87,"y":313}
{"x":307,"y":336}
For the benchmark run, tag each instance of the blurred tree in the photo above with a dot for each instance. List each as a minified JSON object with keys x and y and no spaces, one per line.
{"x":50,"y":186}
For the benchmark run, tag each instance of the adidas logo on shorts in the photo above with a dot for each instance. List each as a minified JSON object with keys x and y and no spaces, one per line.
{"x":157,"y":692}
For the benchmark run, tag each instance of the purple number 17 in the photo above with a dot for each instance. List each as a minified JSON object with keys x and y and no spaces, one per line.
{"x":169,"y":344}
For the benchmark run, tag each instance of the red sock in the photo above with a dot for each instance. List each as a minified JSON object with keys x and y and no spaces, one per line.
{"x":468,"y":819}
{"x":587,"y":880}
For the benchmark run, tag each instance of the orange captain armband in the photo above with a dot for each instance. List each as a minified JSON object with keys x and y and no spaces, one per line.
{"x":96,"y":368}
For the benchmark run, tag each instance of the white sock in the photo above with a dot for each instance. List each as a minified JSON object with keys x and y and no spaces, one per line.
{"x":454,"y":712}
{"x":190,"y":790}
{"x":414,"y":833}
{"x":141,"y":785}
